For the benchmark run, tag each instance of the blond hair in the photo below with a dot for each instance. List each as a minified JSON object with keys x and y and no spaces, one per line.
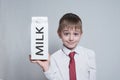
{"x":71,"y":21}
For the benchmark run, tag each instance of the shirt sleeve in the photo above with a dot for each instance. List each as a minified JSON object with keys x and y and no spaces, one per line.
{"x":92,"y":65}
{"x":53,"y":73}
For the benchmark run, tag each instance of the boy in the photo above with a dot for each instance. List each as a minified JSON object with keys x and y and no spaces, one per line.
{"x":71,"y":62}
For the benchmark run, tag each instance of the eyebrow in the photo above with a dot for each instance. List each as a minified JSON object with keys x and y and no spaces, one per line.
{"x":65,"y":30}
{"x":68,"y":30}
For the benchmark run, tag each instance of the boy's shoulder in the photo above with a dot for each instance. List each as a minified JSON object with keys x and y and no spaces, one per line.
{"x":57,"y":53}
{"x":87,"y":51}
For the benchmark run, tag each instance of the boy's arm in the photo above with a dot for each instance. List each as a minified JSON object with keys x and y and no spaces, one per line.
{"x":49,"y":67}
{"x":52,"y":73}
{"x":92,"y":65}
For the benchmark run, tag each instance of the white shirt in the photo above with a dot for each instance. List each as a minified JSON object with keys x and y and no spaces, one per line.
{"x":84,"y":60}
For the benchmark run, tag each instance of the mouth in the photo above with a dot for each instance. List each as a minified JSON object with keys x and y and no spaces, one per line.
{"x":70,"y":43}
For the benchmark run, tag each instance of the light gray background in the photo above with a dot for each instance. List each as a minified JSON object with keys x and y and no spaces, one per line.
{"x":101,"y":26}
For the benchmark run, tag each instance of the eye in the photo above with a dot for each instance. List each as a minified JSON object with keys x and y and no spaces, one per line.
{"x":66,"y":33}
{"x":76,"y":34}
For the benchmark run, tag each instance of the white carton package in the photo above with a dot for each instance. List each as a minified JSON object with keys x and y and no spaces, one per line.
{"x":39,"y":38}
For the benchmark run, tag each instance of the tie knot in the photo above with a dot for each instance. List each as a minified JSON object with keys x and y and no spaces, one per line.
{"x":71,"y":55}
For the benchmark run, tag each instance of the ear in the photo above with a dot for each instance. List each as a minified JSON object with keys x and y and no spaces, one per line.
{"x":59,"y":34}
{"x":81,"y":34}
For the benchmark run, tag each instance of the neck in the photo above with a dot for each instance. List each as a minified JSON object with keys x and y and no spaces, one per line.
{"x":72,"y":49}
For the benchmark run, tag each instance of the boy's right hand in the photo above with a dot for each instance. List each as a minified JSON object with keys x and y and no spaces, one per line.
{"x":43,"y":63}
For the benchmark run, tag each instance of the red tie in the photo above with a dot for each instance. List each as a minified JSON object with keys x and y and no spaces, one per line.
{"x":72,"y":70}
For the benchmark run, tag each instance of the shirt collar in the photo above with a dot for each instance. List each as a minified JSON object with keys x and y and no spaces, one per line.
{"x":67,"y":51}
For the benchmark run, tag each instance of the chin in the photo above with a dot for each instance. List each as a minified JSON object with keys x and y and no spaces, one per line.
{"x":71,"y":48}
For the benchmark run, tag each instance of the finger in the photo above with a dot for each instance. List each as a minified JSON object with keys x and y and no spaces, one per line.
{"x":30,"y":58}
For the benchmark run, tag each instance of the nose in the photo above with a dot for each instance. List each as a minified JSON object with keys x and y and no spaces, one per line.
{"x":71,"y":37}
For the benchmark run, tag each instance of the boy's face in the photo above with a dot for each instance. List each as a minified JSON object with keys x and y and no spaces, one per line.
{"x":70,"y":37}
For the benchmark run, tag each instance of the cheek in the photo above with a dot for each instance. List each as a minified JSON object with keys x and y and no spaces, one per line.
{"x":78,"y":38}
{"x":64,"y":38}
